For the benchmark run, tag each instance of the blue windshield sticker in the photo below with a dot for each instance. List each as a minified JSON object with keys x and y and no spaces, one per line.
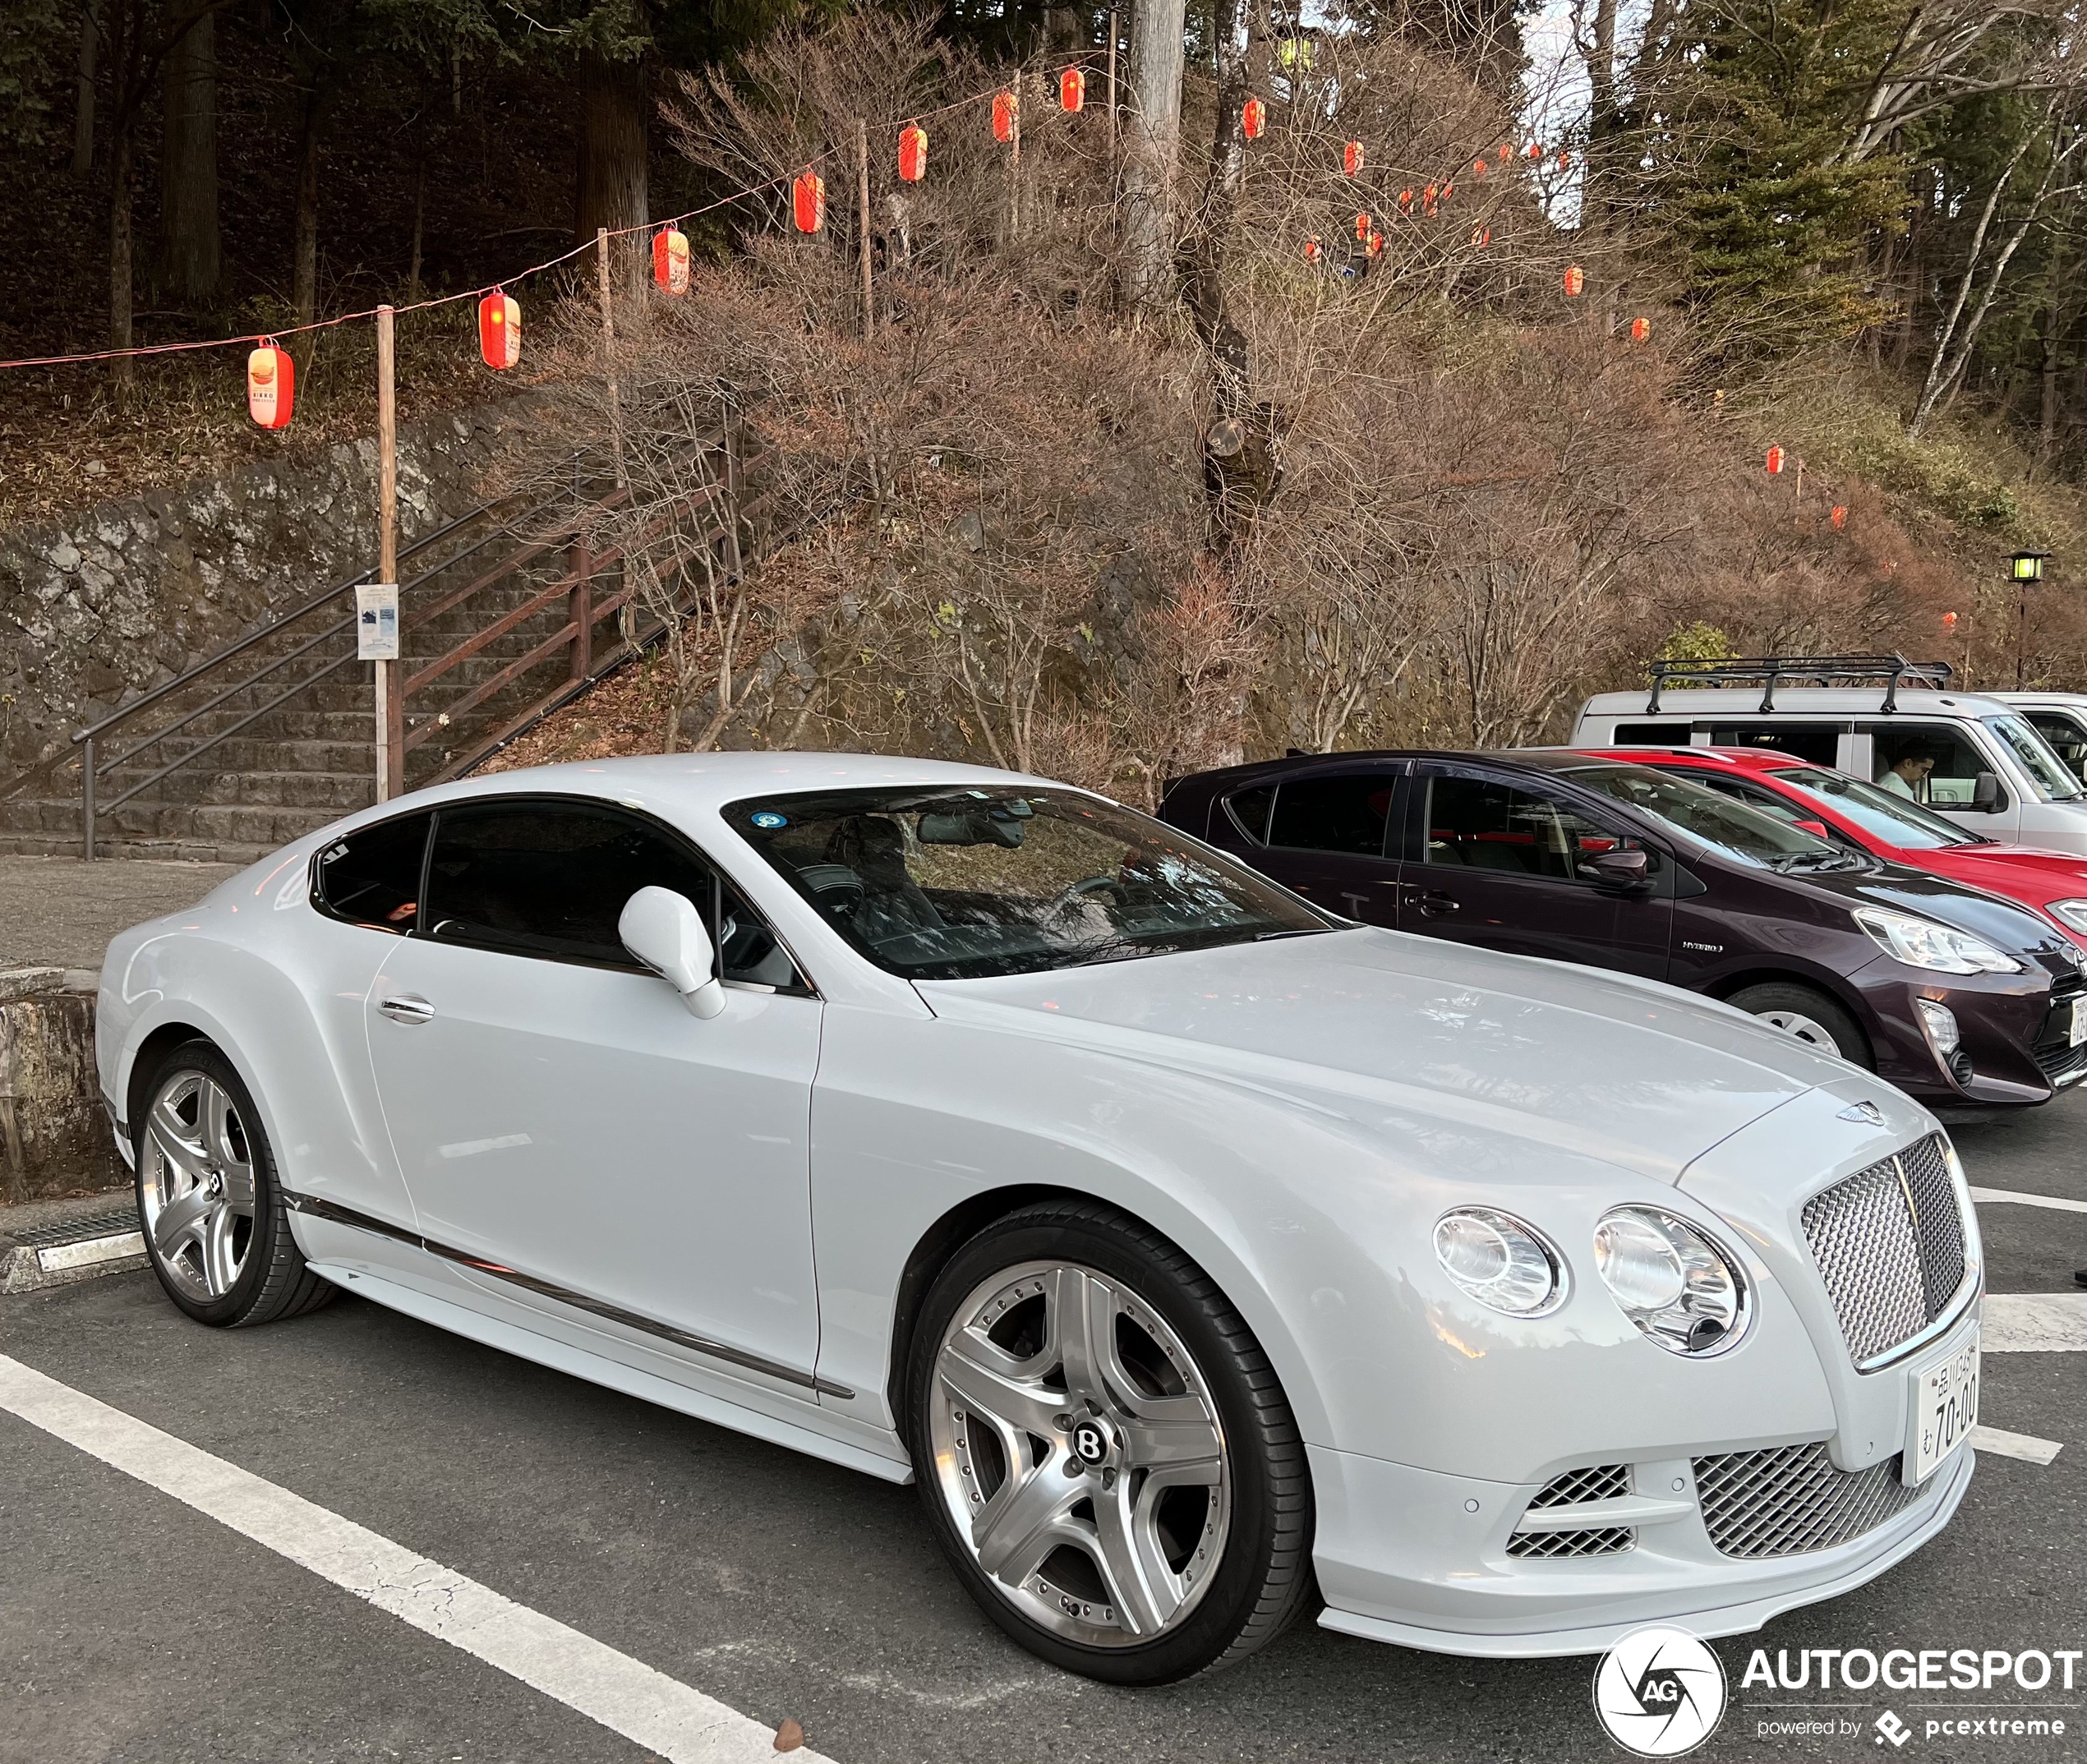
{"x":767,"y":817}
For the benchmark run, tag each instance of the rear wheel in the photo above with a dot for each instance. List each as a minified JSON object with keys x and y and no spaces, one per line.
{"x":1106,"y":1455}
{"x":1810,"y":1015}
{"x":209,"y":1203}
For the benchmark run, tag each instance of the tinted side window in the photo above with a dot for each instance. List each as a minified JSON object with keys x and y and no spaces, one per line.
{"x":1651,"y":734}
{"x":1342,"y":813}
{"x":552,"y":879}
{"x":1250,"y":808}
{"x":1474,"y":824}
{"x":1820,"y":742}
{"x":2064,"y":734}
{"x":373,"y":878}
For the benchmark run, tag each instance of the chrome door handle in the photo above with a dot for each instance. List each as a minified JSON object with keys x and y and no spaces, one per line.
{"x":407,"y":1007}
{"x":1433,"y":901}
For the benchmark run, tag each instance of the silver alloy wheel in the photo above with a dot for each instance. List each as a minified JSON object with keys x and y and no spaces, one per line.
{"x":197,"y":1183}
{"x":1080,"y":1453}
{"x":1804,"y":1029}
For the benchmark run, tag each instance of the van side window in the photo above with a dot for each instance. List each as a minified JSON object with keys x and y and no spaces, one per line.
{"x":1818,"y":742}
{"x":1933,"y":763}
{"x":373,"y":876}
{"x":2065,"y":734}
{"x":1651,"y":734}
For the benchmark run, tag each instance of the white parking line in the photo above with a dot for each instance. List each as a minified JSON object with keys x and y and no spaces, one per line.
{"x":624,"y":1695}
{"x":2027,"y":1446}
{"x":2034,"y":1322}
{"x":2013,"y":1197}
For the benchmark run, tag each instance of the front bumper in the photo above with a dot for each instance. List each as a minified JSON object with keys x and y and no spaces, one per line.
{"x":1401,"y":1559}
{"x":2014,"y":1034}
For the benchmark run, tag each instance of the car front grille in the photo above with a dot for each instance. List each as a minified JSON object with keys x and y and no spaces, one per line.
{"x":1889,"y":1244}
{"x":2056,"y":1058}
{"x":1595,"y":1482}
{"x":1791,"y":1499}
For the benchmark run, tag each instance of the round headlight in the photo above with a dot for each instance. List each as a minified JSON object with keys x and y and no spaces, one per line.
{"x":1504,"y":1263}
{"x":1679,"y":1288}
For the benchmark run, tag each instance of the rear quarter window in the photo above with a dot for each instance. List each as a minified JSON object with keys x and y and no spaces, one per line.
{"x":372,"y":877}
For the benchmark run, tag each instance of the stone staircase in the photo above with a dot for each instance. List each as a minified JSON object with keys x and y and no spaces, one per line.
{"x":252,"y":777}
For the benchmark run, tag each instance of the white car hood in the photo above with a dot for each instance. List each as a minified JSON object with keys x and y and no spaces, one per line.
{"x":1641,"y":1075}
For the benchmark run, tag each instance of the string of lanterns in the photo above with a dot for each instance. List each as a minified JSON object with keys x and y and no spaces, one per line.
{"x":271,"y":372}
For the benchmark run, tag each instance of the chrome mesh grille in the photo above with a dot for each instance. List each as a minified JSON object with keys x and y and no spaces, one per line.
{"x":1549,"y":1546}
{"x":1889,"y":1244}
{"x":1595,"y":1482}
{"x":1786,"y":1501}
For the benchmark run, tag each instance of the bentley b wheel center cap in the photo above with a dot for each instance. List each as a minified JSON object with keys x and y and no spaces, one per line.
{"x":1094,"y":1442}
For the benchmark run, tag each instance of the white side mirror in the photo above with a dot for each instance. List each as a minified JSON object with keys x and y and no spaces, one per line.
{"x":664,"y":931}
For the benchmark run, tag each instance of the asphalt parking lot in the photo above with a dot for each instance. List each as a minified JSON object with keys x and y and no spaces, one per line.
{"x":132,"y":1627}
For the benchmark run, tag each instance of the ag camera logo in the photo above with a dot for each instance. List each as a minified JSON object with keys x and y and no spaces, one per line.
{"x":1659,"y":1691}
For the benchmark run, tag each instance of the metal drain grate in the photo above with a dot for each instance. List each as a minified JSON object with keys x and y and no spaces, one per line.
{"x":110,"y":1224}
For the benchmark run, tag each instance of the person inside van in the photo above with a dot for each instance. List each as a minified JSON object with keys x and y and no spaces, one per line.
{"x":1910,"y":771}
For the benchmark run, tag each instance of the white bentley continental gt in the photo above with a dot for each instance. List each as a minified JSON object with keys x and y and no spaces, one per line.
{"x":1204,"y":1256}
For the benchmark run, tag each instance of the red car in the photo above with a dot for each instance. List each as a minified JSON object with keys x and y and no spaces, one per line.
{"x":1849,"y":812}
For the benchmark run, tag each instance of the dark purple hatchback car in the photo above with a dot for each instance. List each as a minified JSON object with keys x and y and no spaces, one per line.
{"x":1955,"y":995}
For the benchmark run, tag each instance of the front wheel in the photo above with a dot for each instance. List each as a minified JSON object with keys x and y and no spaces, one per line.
{"x":209,"y":1203}
{"x":1809,"y":1014}
{"x":1106,"y":1455}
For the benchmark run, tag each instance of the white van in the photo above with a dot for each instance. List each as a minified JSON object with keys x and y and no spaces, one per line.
{"x":1974,"y":757}
{"x":2060,"y":717}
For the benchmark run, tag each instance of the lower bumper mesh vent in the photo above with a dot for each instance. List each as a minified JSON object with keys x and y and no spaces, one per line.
{"x":1791,"y":1499}
{"x":1595,"y":1482}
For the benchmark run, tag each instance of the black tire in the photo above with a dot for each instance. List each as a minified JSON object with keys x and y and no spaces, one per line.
{"x":1793,"y":999}
{"x":1262,"y":1580}
{"x":273,"y":1280}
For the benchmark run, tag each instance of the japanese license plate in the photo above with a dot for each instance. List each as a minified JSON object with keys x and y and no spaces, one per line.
{"x":2078,"y":1021}
{"x":1945,"y":1410}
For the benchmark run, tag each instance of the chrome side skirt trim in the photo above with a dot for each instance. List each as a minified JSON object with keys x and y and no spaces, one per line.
{"x":336,"y":1214}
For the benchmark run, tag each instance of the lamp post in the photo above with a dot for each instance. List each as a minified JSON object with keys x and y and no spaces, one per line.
{"x":2024,"y":567}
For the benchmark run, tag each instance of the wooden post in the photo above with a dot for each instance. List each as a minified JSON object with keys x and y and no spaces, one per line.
{"x":1111,"y":86}
{"x":609,"y":351}
{"x":579,"y":608}
{"x":862,"y":222}
{"x":391,"y":711}
{"x":1014,"y":168}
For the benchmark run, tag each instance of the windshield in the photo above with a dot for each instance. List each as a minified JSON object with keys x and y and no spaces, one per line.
{"x":2045,"y":770}
{"x":943,"y":884}
{"x":1732,"y":828}
{"x":1896,"y":820}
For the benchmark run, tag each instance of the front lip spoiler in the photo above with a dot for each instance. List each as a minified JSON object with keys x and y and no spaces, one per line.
{"x":334,"y":1214}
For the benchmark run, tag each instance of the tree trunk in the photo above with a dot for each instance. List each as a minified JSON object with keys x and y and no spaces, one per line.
{"x":191,"y":265}
{"x":613,"y":190}
{"x":420,"y":216}
{"x":119,"y":256}
{"x":83,"y":115}
{"x":1152,"y":161}
{"x":304,"y":237}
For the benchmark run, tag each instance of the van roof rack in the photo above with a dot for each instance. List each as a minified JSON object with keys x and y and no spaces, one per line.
{"x":1890,"y":671}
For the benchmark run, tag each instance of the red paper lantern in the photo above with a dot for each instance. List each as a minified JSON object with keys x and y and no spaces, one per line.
{"x":499,"y":330}
{"x":1507,"y":153}
{"x":913,"y":152}
{"x":1312,"y":253}
{"x":271,"y":385}
{"x":1840,"y":519}
{"x":1072,"y":89}
{"x":1478,"y":168}
{"x":1575,"y":280}
{"x":1374,"y":245}
{"x":1949,"y":621}
{"x":1006,"y":112}
{"x":1352,"y":157}
{"x":1536,"y":149}
{"x":1640,"y":329}
{"x":1362,"y":224}
{"x":808,"y":202}
{"x":670,"y":260}
{"x":1774,"y":461}
{"x":1253,"y":118}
